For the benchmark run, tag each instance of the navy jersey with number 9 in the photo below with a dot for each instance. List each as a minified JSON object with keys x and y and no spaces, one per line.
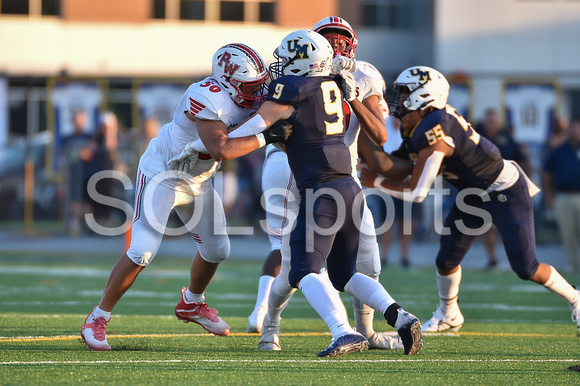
{"x":316,"y":149}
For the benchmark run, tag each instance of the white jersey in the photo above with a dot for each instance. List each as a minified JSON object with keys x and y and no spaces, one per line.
{"x":369,"y":81}
{"x":205,"y":100}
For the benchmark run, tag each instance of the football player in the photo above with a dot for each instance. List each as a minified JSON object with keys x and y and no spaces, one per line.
{"x":491,"y":190}
{"x":303,"y":93}
{"x":370,"y":85}
{"x":173,"y":175}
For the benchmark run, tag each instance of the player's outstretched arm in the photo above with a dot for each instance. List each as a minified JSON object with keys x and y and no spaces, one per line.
{"x":424,"y":173}
{"x":380,"y":162}
{"x":247,"y":137}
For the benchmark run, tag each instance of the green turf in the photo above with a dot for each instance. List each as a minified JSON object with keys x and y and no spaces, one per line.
{"x":515,"y":333}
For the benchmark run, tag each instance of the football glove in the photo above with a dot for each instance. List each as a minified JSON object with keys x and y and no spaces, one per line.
{"x":185,"y":160}
{"x":278,"y":132}
{"x":340,"y":63}
{"x":347,"y":85}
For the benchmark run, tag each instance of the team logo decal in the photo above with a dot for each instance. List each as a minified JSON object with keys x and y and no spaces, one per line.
{"x":501,"y":198}
{"x":229,"y":67}
{"x":301,"y":50}
{"x":424,"y":76}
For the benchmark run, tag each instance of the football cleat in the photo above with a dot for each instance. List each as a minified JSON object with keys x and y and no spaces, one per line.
{"x":94,"y":333}
{"x":441,"y":322}
{"x":345,"y":344}
{"x":270,"y":339}
{"x":409,"y":328}
{"x":202,"y":315}
{"x":383,"y":341}
{"x":255,"y":322}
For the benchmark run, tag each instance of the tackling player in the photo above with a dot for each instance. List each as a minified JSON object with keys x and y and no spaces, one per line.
{"x":173,"y":175}
{"x":276,"y":176}
{"x":303,"y":93}
{"x":491,"y":190}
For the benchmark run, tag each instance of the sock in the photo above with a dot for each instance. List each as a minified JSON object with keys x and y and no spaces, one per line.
{"x":363,"y":315}
{"x":97,"y":313}
{"x":190,"y":297}
{"x":369,"y":292}
{"x":280,"y":295}
{"x":264,"y":286}
{"x":391,"y":314}
{"x":320,"y":296}
{"x":335,"y":295}
{"x":558,"y":285}
{"x":448,"y":287}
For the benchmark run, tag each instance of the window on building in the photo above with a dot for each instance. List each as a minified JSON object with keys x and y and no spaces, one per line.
{"x":232,"y":11}
{"x":192,"y":10}
{"x":255,"y":11}
{"x":396,"y":14}
{"x":30,"y":7}
{"x":50,"y":7}
{"x":14,"y":7}
{"x":158,"y":9}
{"x":266,"y":12}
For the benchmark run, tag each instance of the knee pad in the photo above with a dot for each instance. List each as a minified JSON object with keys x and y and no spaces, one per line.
{"x":217,"y":251}
{"x":140,"y":258}
{"x":368,"y":262}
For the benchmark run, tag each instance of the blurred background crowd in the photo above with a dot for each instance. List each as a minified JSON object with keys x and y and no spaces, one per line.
{"x":85,"y":85}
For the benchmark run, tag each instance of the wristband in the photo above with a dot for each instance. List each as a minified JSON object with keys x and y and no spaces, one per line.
{"x":378,"y":182}
{"x":261,"y":139}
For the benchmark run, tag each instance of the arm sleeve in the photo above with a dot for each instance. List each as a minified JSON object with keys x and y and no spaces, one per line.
{"x":421,"y":191}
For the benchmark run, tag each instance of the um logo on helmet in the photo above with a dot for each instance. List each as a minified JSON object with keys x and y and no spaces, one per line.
{"x":423,"y":75}
{"x":229,"y":67}
{"x":301,"y":50}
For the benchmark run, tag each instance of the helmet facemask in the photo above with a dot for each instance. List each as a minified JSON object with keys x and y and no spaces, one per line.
{"x":339,"y":34}
{"x":251,"y":94}
{"x":399,"y":99}
{"x":276,"y":68}
{"x":341,"y":44}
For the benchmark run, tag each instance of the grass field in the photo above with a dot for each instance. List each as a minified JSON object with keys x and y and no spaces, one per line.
{"x":515,"y":333}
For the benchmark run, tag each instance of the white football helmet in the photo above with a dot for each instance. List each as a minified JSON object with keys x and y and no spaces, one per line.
{"x":339,"y":33}
{"x":242,"y":72}
{"x":417,"y":88}
{"x":302,"y":53}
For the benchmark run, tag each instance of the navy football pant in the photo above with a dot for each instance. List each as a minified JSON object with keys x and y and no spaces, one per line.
{"x":311,"y":249}
{"x":512,"y":213}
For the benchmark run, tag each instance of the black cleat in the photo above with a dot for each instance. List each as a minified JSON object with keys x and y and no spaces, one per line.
{"x":409,"y":329}
{"x":345,"y":345}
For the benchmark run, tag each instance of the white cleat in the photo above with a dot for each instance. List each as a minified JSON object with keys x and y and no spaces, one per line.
{"x":576,"y":313}
{"x":270,"y":339}
{"x":441,"y":322}
{"x":255,"y":322}
{"x":383,"y":341}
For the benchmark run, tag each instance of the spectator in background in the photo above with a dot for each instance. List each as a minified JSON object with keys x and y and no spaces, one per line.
{"x":101,"y":153}
{"x":75,"y":156}
{"x":558,"y":133}
{"x":561,"y":183}
{"x":501,"y":137}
